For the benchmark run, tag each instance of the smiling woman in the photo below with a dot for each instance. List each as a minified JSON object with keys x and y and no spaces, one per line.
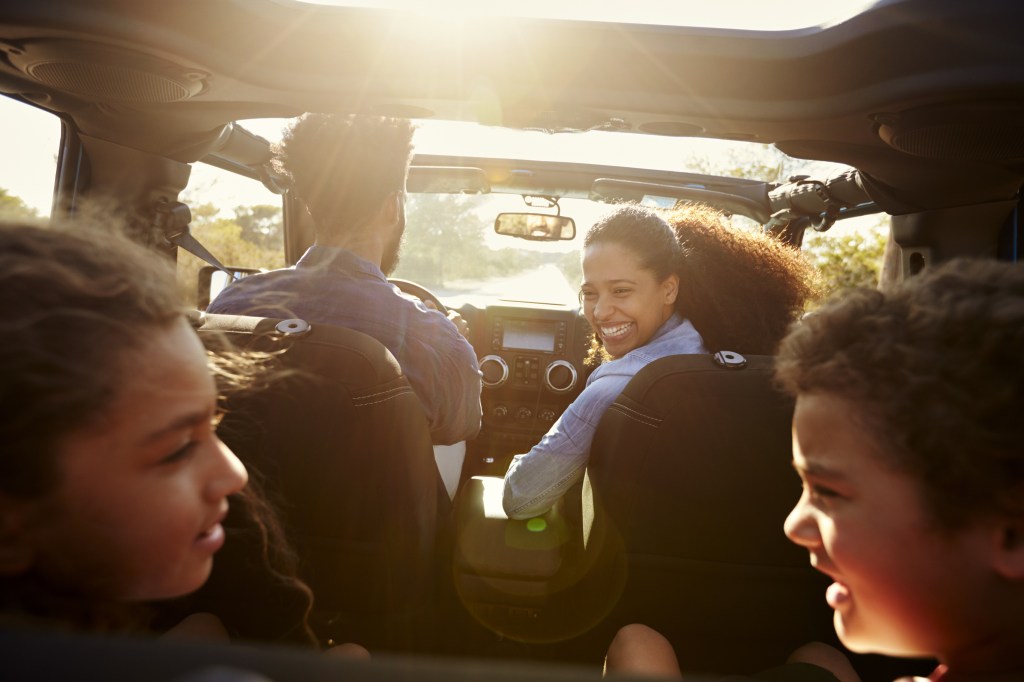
{"x":651,"y":289}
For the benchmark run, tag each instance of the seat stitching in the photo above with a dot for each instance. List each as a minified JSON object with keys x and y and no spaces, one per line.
{"x":638,"y":419}
{"x":376,"y":402}
{"x":364,"y":403}
{"x":390,"y":390}
{"x":644,"y":415}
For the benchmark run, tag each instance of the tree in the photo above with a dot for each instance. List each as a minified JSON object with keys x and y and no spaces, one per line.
{"x":224,"y":238}
{"x":444,"y":242}
{"x":765,"y":163}
{"x":14,"y":208}
{"x":852,"y":259}
{"x":262,"y":224}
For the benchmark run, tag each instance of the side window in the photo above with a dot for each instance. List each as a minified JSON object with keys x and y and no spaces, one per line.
{"x":236,"y":218}
{"x":30,"y":138}
{"x":851,"y":253}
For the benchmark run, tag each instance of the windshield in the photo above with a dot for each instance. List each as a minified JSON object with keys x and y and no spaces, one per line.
{"x":450,"y":245}
{"x":451,"y":248}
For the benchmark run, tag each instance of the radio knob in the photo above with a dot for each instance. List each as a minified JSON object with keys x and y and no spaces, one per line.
{"x":560,"y":376}
{"x":524,"y":414}
{"x":547,"y":415}
{"x":499,"y":412}
{"x":494,"y":370}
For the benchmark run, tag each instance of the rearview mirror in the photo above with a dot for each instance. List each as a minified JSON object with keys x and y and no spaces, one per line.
{"x":535,"y":226}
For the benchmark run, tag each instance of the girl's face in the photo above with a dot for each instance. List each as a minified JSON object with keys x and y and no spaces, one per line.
{"x":136,"y":514}
{"x":622,"y":301}
{"x":902,"y":586}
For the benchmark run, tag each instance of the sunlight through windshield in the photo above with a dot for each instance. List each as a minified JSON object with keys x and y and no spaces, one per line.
{"x":738,"y":14}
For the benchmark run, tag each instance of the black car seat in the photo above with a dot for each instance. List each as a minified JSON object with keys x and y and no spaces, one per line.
{"x":343,"y":448}
{"x":691,"y":477}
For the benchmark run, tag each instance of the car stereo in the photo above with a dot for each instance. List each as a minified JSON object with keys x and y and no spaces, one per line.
{"x":544,"y":336}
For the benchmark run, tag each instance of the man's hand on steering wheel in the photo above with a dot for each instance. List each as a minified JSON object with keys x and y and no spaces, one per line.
{"x":432,"y":302}
{"x":458,"y":320}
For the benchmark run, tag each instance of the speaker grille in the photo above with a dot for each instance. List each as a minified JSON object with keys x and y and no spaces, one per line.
{"x":107,"y":73}
{"x":962,"y":142}
{"x":975,"y":131}
{"x":107,"y":82}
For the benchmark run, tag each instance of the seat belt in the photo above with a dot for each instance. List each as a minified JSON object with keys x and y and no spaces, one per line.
{"x":172,"y":221}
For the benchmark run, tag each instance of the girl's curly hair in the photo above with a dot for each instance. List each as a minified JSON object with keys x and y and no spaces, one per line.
{"x":77,"y":304}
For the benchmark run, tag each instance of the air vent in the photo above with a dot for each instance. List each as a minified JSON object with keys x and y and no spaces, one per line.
{"x":107,"y":74}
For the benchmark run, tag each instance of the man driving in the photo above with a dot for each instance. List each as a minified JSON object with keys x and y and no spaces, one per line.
{"x":350,"y":171}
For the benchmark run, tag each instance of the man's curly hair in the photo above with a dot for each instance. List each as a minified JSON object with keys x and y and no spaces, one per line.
{"x":344,"y":167}
{"x":934,"y":369}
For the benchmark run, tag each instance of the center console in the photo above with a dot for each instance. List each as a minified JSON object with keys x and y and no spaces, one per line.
{"x":531,"y":357}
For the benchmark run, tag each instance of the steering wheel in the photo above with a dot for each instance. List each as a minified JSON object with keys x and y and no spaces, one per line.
{"x":419,"y":292}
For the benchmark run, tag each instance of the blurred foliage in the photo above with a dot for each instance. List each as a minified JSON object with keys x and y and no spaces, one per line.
{"x":445,"y":242}
{"x":762,"y":163}
{"x":851,"y":259}
{"x":253,"y":238}
{"x":261,"y":225}
{"x":14,"y":208}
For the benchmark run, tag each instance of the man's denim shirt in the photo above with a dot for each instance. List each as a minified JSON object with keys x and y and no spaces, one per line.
{"x":334,"y":286}
{"x":534,"y":481}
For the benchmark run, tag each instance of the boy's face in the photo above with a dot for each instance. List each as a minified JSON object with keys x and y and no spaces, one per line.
{"x":902,"y":586}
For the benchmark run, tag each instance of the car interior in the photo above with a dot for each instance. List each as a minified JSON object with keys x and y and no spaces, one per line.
{"x":914,"y":108}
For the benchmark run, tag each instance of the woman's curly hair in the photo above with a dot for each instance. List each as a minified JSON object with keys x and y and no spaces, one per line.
{"x":934,"y":370}
{"x":741,"y":290}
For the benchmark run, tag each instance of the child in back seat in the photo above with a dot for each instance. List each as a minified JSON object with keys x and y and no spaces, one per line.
{"x":909,"y":437}
{"x":113,"y":483}
{"x":908,"y":434}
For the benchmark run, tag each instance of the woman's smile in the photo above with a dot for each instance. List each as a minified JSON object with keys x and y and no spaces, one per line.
{"x":623,"y":301}
{"x":615,"y":331}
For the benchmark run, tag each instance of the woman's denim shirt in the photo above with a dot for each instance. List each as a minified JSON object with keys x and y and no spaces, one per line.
{"x":534,"y":481}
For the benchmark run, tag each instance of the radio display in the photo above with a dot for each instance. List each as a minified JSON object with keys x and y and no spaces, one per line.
{"x":529,"y":335}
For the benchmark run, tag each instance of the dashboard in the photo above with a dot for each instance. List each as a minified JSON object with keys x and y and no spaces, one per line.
{"x":531,"y":357}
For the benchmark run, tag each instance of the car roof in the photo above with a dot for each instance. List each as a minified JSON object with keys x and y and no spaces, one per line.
{"x":924,"y":96}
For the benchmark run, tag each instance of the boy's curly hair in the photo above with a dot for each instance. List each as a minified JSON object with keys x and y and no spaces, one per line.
{"x":935,"y":371}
